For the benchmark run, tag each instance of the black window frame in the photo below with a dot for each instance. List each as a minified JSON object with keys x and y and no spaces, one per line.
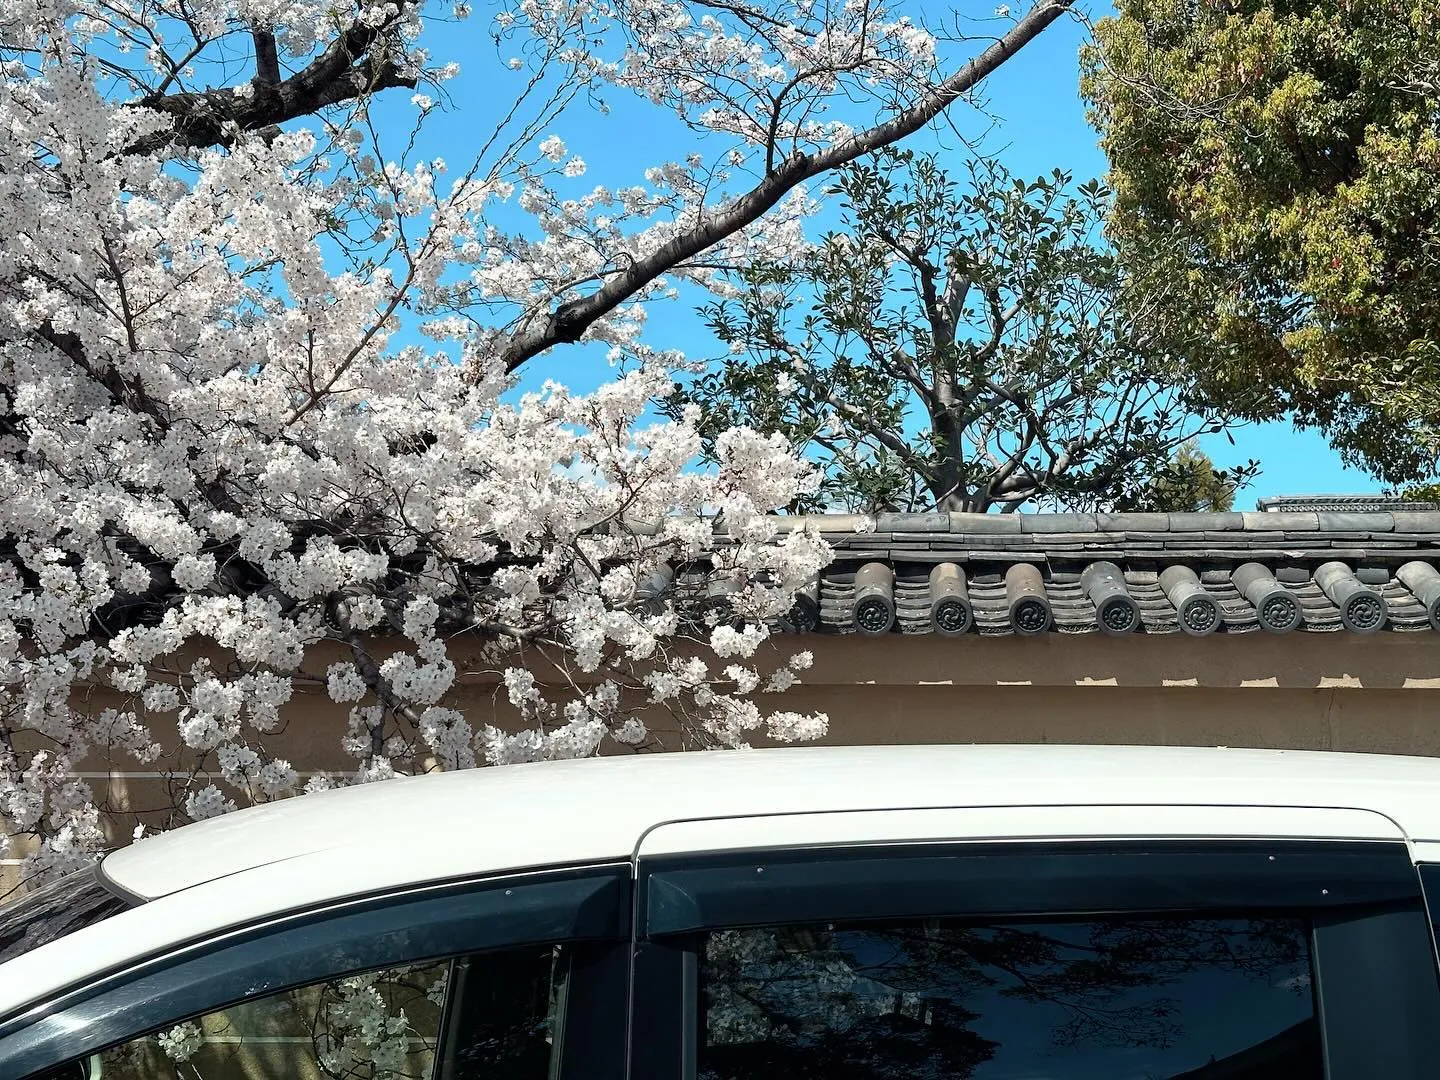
{"x":1430,"y":887}
{"x":588,"y":906}
{"x":1376,"y":984}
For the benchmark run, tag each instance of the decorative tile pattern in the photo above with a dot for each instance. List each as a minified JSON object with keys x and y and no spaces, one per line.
{"x":1316,"y":570}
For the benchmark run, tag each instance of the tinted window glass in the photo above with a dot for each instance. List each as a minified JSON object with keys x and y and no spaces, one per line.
{"x":1111,"y":999}
{"x":52,"y":911}
{"x":487,"y":1016}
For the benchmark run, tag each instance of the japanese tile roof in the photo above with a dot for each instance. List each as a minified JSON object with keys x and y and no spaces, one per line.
{"x":954,"y":573}
{"x":1343,"y":502}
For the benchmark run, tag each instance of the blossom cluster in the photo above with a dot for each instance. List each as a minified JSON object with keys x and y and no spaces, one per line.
{"x":258,"y":430}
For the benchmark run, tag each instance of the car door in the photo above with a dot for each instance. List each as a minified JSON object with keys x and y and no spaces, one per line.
{"x":515,"y":977}
{"x":1059,"y":943}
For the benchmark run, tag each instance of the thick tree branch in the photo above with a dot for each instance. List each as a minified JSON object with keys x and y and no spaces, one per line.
{"x":267,"y":60}
{"x":896,"y":361}
{"x":351,"y":67}
{"x":132,"y":395}
{"x":570,"y":320}
{"x":958,"y":280}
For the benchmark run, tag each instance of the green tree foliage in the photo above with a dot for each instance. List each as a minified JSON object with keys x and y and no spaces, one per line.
{"x":1276,"y":165}
{"x":1189,"y":483}
{"x":955,"y":344}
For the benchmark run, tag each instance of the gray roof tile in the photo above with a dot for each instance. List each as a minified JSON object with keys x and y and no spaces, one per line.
{"x":1341,"y":502}
{"x":911,"y":523}
{"x":1133,"y":522}
{"x":1351,"y":521}
{"x":985,"y":523}
{"x":1057,"y":523}
{"x":1291,"y":545}
{"x":1288,"y":521}
{"x":841,"y":523}
{"x":1417,"y":521}
{"x":1206,"y":522}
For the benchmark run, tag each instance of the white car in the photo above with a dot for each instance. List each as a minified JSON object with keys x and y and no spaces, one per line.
{"x":996,"y":913}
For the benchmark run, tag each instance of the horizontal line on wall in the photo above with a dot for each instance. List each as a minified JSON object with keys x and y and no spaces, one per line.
{"x":181,"y":776}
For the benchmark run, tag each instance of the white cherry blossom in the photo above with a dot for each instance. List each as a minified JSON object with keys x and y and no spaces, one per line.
{"x":258,"y":425}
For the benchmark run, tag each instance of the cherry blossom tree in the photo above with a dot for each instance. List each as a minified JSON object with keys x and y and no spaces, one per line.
{"x":257,"y":357}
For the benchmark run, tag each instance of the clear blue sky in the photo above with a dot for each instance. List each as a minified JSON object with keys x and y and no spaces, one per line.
{"x":1042,"y":127}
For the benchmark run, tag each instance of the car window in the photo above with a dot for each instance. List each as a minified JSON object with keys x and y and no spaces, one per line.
{"x":1099,"y":999}
{"x":54,"y":910}
{"x":487,"y":1016}
{"x":300,"y":997}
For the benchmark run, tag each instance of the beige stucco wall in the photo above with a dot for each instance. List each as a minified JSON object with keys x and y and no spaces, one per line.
{"x":1334,"y":691}
{"x":1299,"y":660}
{"x":1379,"y":721}
{"x":1303,"y":691}
{"x":1377,"y":694}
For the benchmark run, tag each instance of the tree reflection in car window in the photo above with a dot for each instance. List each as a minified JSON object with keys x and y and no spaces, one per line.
{"x":487,"y":1016}
{"x":60,"y":907}
{"x":1104,"y":999}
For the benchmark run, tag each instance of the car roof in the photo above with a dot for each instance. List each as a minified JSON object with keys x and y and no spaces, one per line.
{"x":299,"y":854}
{"x":557,"y":813}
